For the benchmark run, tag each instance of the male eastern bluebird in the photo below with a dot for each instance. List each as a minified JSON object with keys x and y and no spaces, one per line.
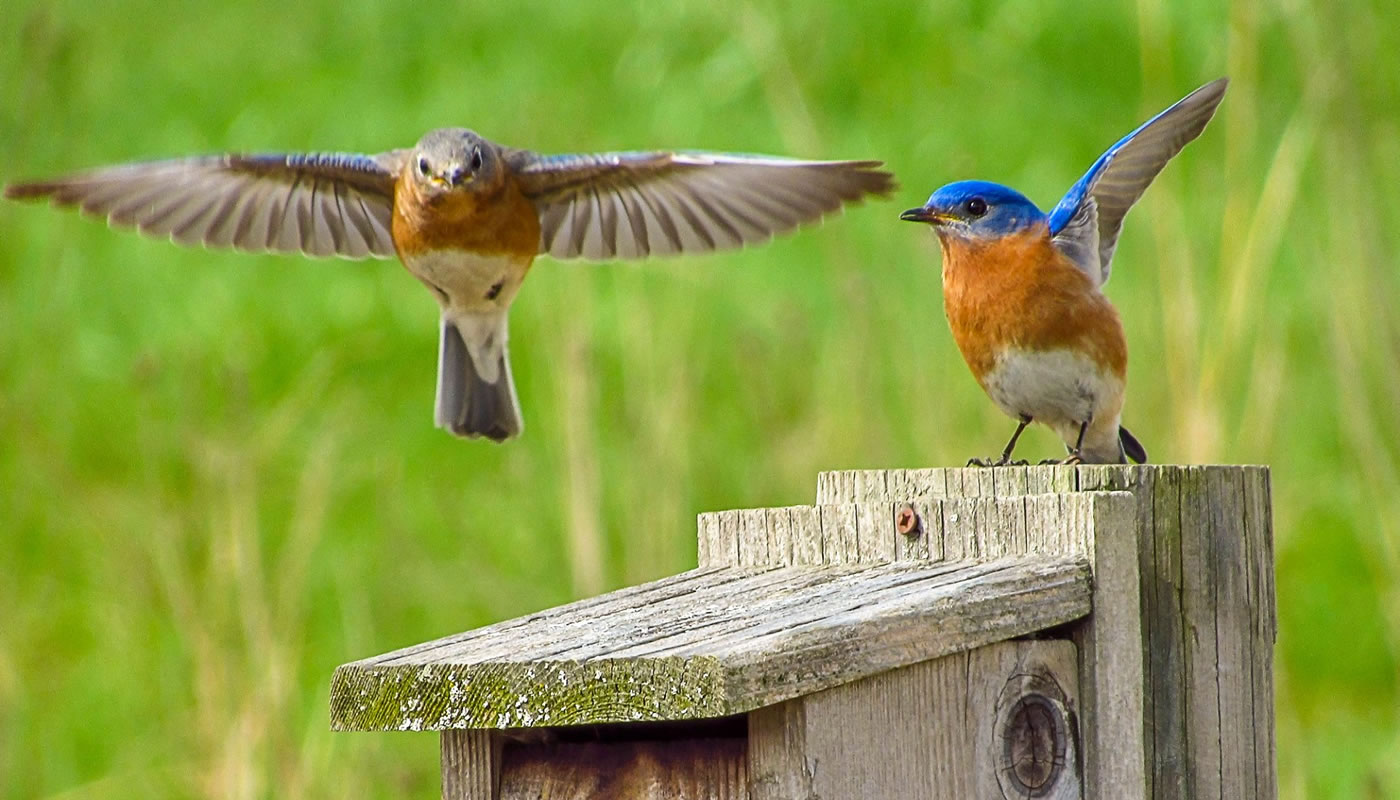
{"x":1022,"y":289}
{"x":467,"y":216}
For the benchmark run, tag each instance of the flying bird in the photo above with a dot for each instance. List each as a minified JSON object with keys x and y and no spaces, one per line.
{"x":1023,"y":290}
{"x":467,"y":217}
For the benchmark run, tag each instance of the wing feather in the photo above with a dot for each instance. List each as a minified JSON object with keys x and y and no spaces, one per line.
{"x":1099,"y":201}
{"x":320,"y":204}
{"x":635,"y":204}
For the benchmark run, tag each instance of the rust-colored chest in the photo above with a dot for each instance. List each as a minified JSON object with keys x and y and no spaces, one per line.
{"x":498,"y":222}
{"x":1019,"y":292}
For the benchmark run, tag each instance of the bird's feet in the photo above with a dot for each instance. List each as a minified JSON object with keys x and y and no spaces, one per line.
{"x":1068,"y":461}
{"x":1004,"y":461}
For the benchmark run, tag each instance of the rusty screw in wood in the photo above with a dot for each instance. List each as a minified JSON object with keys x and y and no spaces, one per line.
{"x":907,"y":520}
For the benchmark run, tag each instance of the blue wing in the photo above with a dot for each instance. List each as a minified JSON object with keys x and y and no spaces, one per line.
{"x":635,"y":204}
{"x":320,"y":204}
{"x":1087,"y":221}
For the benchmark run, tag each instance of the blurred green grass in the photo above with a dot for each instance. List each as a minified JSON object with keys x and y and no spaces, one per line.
{"x":219,"y":473}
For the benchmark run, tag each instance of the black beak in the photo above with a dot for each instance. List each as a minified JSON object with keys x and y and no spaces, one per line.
{"x":454,"y":176}
{"x":920,"y":214}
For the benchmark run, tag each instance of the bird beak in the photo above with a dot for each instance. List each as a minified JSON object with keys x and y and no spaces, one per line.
{"x":455,"y":175}
{"x":920,"y":214}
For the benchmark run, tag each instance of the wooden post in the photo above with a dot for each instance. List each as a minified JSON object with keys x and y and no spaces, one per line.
{"x":1204,"y":543}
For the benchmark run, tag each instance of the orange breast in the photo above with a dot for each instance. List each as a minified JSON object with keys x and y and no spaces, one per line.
{"x":1020,"y":292}
{"x":496,"y":222}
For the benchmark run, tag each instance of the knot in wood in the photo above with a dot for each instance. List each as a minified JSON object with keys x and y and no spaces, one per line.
{"x":1035,"y":751}
{"x":1034,"y":745}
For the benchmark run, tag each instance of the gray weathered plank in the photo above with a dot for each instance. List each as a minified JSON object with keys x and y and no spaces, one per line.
{"x":806,"y":536}
{"x":998,"y":677}
{"x":1260,"y":555}
{"x":1111,"y":654}
{"x":470,"y":765}
{"x":727,"y":646}
{"x":1198,"y":610}
{"x":920,"y":731}
{"x":777,"y":752}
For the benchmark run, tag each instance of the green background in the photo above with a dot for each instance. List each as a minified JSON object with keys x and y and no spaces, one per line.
{"x":220,"y":477}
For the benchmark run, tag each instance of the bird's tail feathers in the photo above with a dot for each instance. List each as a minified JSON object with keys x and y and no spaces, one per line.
{"x":475,"y":391}
{"x":1132,"y":448}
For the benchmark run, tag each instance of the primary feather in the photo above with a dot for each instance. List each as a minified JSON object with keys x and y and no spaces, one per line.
{"x":1087,"y":221}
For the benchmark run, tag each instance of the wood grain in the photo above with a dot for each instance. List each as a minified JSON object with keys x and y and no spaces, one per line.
{"x":733,"y":641}
{"x":924,"y":731}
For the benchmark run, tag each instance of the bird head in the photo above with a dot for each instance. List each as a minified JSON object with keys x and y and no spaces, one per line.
{"x":976,"y":210}
{"x":455,"y":159}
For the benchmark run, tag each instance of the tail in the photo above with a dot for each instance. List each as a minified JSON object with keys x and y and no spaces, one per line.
{"x":1132,"y":448}
{"x":475,"y":393}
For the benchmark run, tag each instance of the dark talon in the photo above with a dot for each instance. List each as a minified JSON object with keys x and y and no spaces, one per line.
{"x":1004,"y":461}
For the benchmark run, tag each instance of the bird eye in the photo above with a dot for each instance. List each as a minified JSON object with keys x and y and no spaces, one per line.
{"x":423,"y":168}
{"x":476,"y":159}
{"x":975,"y":207}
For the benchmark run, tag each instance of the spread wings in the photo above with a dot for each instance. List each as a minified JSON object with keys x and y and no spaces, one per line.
{"x":606,"y":205}
{"x":320,"y":204}
{"x":1086,"y":223}
{"x":631,"y":205}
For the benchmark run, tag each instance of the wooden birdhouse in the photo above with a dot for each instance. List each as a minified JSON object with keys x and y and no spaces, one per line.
{"x":1041,"y":632}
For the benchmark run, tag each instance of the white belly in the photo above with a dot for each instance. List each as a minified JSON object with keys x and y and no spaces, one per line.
{"x":1059,"y":388}
{"x":470,"y":281}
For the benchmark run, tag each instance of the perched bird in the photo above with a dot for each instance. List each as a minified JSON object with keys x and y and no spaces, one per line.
{"x":1023,"y":289}
{"x":467,"y":216}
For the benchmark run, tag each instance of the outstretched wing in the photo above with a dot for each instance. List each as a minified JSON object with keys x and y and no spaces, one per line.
{"x":320,"y":204}
{"x":1087,"y":221}
{"x":631,"y":205}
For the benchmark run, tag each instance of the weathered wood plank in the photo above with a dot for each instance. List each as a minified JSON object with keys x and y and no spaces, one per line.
{"x":958,"y":528}
{"x":780,"y":536}
{"x":1167,"y":662}
{"x":778,"y":765}
{"x":726,"y":647}
{"x":470,"y":765}
{"x":839,"y":534}
{"x":753,"y":547}
{"x":1198,"y":610}
{"x":1111,"y":654}
{"x":806,"y":536}
{"x":921,"y":731}
{"x":998,"y":678}
{"x":1234,"y":654}
{"x":875,"y":533}
{"x":945,"y":620}
{"x":1260,"y":555}
{"x":600,"y":605}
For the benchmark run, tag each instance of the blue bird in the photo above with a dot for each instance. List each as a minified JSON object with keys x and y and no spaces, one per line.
{"x":1022,"y":289}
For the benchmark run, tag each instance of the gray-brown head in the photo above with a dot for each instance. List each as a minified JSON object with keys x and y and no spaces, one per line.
{"x":455,"y":159}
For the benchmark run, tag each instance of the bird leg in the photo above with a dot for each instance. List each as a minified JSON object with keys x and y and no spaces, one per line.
{"x":1005,"y":459}
{"x":1073,"y":457}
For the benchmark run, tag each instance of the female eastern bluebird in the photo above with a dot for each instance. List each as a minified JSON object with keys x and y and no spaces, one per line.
{"x":1022,"y":289}
{"x":467,"y":216}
